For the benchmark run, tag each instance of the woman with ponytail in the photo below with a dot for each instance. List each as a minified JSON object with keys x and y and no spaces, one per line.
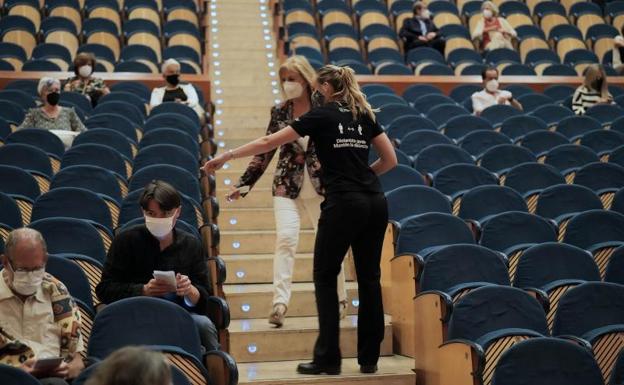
{"x":353,"y":214}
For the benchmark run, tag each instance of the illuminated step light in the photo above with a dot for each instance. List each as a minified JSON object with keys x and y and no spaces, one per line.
{"x":252,"y":348}
{"x":272,"y":73}
{"x":226,"y":166}
{"x":355,"y":302}
{"x":263,"y":8}
{"x":221,"y":144}
{"x":220,"y":133}
{"x":233,"y":221}
{"x":263,"y":15}
{"x":215,"y":54}
{"x":213,"y":14}
{"x":218,"y":112}
{"x":219,"y":91}
{"x":265,"y":23}
{"x":218,"y":122}
{"x":236,"y":245}
{"x":240,"y":274}
{"x":245,"y":307}
{"x":214,"y":30}
{"x":269,"y":46}
{"x":278,"y":101}
{"x":217,"y":73}
{"x":227,"y":181}
{"x":217,"y":64}
{"x":274,"y":83}
{"x":275,"y":91}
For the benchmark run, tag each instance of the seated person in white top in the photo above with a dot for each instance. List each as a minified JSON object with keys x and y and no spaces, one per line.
{"x":491,"y":95}
{"x":174,"y":91}
{"x":38,"y":317}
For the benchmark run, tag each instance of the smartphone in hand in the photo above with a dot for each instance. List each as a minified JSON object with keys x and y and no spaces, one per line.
{"x":47,"y":364}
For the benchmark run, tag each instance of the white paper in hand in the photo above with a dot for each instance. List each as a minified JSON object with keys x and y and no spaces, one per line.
{"x":166,"y":277}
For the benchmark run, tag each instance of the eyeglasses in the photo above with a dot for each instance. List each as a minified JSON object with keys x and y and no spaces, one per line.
{"x":23,"y":269}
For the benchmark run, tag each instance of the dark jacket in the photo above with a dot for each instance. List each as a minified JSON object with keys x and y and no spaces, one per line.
{"x":135,"y":254}
{"x":410,"y":30}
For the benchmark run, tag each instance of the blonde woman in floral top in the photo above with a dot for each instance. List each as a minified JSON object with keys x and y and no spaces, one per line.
{"x":296,"y":184}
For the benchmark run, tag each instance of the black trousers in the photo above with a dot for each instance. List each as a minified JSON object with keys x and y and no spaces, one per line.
{"x":438,"y":43}
{"x":357,"y":220}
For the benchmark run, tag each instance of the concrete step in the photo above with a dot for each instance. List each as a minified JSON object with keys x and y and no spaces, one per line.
{"x":260,"y":242}
{"x":254,"y":219}
{"x":393,"y":370}
{"x":255,"y":340}
{"x":255,"y":300}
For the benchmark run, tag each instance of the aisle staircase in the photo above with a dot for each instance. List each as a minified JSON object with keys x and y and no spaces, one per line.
{"x":243,"y":74}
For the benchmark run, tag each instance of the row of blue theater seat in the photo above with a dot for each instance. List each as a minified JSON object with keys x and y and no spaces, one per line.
{"x":513,"y":247}
{"x":84,"y":193}
{"x":540,"y":52}
{"x":63,"y":29}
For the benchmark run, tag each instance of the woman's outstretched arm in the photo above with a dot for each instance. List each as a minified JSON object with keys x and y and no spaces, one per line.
{"x":258,"y":146}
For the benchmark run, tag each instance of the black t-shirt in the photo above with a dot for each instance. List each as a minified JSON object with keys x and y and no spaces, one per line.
{"x":172,"y":95}
{"x":342,"y":145}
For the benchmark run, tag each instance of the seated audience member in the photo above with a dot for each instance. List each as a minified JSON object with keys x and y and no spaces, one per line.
{"x":84,"y":82}
{"x":594,"y":90}
{"x":174,"y":90}
{"x":157,"y":245}
{"x":493,"y":31}
{"x":618,"y":53}
{"x":62,"y":121}
{"x":38,"y":317}
{"x":490,"y":94}
{"x":420,"y":31}
{"x":132,"y":365}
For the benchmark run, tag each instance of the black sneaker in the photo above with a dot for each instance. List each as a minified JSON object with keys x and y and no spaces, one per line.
{"x":313,"y":368}
{"x":368,"y":369}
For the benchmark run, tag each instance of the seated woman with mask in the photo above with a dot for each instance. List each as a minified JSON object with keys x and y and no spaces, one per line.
{"x":84,"y":82}
{"x":62,"y":121}
{"x":174,"y":91}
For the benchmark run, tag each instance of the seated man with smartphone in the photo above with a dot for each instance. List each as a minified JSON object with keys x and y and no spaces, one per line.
{"x":39,"y":321}
{"x":158,"y":260}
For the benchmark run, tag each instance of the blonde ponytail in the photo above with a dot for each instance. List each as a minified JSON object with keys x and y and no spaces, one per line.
{"x":346,"y":89}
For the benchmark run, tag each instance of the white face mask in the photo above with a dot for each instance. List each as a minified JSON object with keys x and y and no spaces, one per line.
{"x":159,"y":227}
{"x":28,"y":282}
{"x":425,"y":14}
{"x":292,"y":90}
{"x":487,"y":13}
{"x":85,"y":71}
{"x":492,"y":85}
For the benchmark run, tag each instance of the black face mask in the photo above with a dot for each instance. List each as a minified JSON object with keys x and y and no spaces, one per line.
{"x":174,"y":79}
{"x":53,"y":98}
{"x":317,"y":98}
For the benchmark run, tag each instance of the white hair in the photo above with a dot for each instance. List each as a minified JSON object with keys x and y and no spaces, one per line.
{"x":46,"y":83}
{"x":169,"y":62}
{"x":27,"y":235}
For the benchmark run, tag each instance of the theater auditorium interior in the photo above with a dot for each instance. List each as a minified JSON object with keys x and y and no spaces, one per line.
{"x":503,"y":256}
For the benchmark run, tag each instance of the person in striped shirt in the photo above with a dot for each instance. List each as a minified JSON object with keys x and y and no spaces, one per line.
{"x":594,"y":90}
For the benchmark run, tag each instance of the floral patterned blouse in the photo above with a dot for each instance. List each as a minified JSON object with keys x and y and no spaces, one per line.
{"x":293,"y":158}
{"x":76,"y":84}
{"x":67,"y":119}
